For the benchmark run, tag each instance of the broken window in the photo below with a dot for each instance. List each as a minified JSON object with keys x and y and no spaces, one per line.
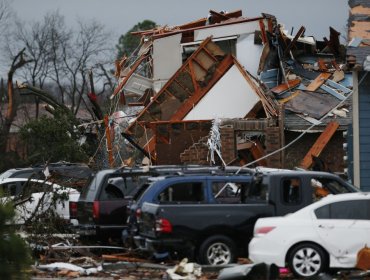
{"x":322,"y":186}
{"x":35,"y":187}
{"x":114,"y":189}
{"x":111,"y":192}
{"x":192,"y":192}
{"x":226,"y":192}
{"x":258,"y":190}
{"x":347,"y":210}
{"x":227,"y":46}
{"x":292,"y":190}
{"x":121,"y":187}
{"x":231,"y":192}
{"x":9,"y":189}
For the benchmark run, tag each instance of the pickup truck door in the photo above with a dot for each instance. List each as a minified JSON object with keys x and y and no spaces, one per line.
{"x":344,"y":228}
{"x":291,"y":195}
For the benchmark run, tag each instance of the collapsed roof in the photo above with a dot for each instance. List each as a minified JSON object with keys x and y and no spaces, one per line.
{"x":358,"y":53}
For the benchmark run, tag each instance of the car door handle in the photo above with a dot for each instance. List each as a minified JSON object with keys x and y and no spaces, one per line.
{"x":326,"y":226}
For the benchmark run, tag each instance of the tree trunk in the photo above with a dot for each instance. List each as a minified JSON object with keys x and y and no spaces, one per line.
{"x":17,"y":63}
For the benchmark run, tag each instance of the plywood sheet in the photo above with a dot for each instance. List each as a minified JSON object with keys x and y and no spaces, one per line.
{"x":315,"y":84}
{"x":166,"y":57}
{"x":312,"y":104}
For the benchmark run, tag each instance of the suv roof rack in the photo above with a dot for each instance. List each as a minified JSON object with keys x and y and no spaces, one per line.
{"x":156,"y":170}
{"x":57,"y":164}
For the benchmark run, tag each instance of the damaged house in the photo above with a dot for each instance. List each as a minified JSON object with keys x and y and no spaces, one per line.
{"x":257,"y":85}
{"x":358,"y":61}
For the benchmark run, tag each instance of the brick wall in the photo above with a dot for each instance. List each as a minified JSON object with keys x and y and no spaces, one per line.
{"x":228,"y":145}
{"x":198,"y":152}
{"x":174,"y":137}
{"x":273,"y":143}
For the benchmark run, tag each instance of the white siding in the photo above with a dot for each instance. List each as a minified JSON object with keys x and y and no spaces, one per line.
{"x":227,"y":30}
{"x":230,"y":97}
{"x":166,"y":57}
{"x":248,"y":53}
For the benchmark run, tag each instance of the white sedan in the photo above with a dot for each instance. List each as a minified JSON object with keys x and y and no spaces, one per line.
{"x":36,"y":196}
{"x":327,"y":233}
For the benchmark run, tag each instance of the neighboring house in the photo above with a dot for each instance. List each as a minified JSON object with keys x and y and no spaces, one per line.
{"x":358,"y":61}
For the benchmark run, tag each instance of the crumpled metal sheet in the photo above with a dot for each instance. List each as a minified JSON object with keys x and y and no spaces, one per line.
{"x":249,"y":272}
{"x":312,"y":104}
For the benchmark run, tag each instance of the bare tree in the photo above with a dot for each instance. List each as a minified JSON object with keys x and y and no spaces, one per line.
{"x":18,"y":62}
{"x":63,"y":56}
{"x":5,"y":14}
{"x":36,"y":37}
{"x":74,"y":56}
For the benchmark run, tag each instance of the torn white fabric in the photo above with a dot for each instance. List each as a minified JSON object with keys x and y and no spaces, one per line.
{"x":67,"y":266}
{"x":214,"y":142}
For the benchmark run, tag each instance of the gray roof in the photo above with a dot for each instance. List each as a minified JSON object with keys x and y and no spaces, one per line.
{"x":296,"y":123}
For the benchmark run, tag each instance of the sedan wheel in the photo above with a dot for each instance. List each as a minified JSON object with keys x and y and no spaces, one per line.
{"x":307,"y":260}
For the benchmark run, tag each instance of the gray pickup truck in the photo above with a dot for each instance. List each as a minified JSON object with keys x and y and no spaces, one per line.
{"x":210,"y":218}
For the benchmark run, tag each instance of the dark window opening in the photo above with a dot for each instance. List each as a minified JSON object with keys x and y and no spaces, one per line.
{"x":227,"y":192}
{"x":183,"y":193}
{"x":111,"y":192}
{"x":258,"y":190}
{"x":227,"y":46}
{"x":292,"y":191}
{"x":9,"y":189}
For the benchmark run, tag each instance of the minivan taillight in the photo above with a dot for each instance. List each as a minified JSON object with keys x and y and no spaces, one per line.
{"x":163,"y":225}
{"x":73,"y":210}
{"x":263,"y":230}
{"x":96,"y":210}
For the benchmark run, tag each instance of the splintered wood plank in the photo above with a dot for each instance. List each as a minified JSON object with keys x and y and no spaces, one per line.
{"x":338,"y":76}
{"x":286,"y":99}
{"x":284,"y":87}
{"x":322,"y":65}
{"x":257,"y":152}
{"x":244,"y":146}
{"x":315,"y":84}
{"x":320,"y":144}
{"x":121,"y":258}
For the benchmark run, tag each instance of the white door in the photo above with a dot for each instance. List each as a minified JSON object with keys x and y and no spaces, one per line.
{"x":344,"y":229}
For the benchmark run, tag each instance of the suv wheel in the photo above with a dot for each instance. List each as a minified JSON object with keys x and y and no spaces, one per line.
{"x":307,"y":259}
{"x":217,"y":250}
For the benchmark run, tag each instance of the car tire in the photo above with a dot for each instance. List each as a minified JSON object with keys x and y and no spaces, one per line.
{"x":217,"y":250}
{"x":307,"y":260}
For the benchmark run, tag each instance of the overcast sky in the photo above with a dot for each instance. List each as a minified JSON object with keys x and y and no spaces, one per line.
{"x":120,"y":15}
